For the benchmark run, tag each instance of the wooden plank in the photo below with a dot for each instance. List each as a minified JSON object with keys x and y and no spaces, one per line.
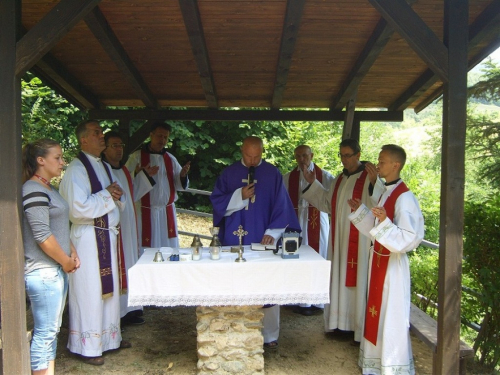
{"x":372,"y":49}
{"x":418,"y":35}
{"x":240,"y":115}
{"x":191,"y":15}
{"x":425,"y":328}
{"x":15,"y":348}
{"x":291,"y":26}
{"x":56,"y":76}
{"x":486,"y":24}
{"x":48,"y":31}
{"x":447,"y":356}
{"x":347,"y":131}
{"x":97,"y":23}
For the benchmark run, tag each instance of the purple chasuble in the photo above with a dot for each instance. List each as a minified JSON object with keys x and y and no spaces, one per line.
{"x":101,"y":235}
{"x":272,"y":208}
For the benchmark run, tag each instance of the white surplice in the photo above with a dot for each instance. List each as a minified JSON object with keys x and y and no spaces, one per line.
{"x":128,"y":225}
{"x":346,"y":310}
{"x":303,"y":206}
{"x":159,"y":197}
{"x":393,"y":354}
{"x":94,"y":322}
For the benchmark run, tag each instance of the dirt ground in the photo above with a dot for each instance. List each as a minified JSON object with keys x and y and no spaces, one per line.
{"x":166,"y":343}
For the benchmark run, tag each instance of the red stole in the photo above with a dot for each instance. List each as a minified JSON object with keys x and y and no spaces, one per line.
{"x":313,"y":214}
{"x":121,"y":258}
{"x":352,"y":250}
{"x":146,"y":203}
{"x":380,"y":262}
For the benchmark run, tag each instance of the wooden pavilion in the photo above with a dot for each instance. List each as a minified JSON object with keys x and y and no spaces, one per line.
{"x":244,"y":60}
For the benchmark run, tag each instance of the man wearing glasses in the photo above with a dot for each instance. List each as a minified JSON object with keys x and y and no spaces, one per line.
{"x":133,"y":189}
{"x":347,"y":250}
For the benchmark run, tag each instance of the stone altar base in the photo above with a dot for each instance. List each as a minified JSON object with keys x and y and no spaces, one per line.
{"x":230,"y":340}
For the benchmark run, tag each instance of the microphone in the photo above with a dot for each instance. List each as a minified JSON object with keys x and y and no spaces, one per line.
{"x":251,"y":171}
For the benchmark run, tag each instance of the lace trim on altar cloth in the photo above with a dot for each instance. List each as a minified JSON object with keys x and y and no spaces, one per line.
{"x":239,"y":300}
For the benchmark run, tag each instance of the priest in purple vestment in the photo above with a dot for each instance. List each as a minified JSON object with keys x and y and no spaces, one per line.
{"x":251,"y":193}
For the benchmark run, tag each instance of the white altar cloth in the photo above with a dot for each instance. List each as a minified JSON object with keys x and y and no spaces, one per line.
{"x":264,"y":278}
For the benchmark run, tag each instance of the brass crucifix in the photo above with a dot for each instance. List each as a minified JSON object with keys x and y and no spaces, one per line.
{"x":240,"y":233}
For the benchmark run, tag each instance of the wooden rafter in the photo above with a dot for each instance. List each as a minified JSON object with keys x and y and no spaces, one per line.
{"x":484,"y":25}
{"x":416,"y":33}
{"x":49,"y":30}
{"x":375,"y":45}
{"x":243,"y":115}
{"x":291,"y":27}
{"x":99,"y":26}
{"x":192,"y":21}
{"x":55,"y":75}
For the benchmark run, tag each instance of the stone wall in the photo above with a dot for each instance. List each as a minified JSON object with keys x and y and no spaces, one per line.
{"x":230,"y":340}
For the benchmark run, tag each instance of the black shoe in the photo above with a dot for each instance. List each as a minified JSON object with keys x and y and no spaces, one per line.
{"x":311,"y":310}
{"x":135,"y":320}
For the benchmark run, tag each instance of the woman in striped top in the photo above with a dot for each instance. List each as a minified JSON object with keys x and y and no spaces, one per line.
{"x":48,"y":252}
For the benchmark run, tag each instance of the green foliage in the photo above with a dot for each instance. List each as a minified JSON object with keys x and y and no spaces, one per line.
{"x":46,"y":114}
{"x":483,"y":136}
{"x":424,"y":278}
{"x":481,"y":260}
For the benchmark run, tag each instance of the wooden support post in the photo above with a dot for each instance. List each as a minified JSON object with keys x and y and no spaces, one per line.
{"x":15,"y":347}
{"x":447,"y":356}
{"x":124,"y":130}
{"x":349,"y":117}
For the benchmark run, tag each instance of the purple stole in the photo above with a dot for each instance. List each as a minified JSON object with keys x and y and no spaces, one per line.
{"x":101,"y":227}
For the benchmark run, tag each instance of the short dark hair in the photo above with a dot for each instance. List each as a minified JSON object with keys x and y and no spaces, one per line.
{"x":161,"y":124}
{"x":111,"y":134}
{"x":81,"y":128}
{"x":397,"y":153}
{"x":352,"y":143}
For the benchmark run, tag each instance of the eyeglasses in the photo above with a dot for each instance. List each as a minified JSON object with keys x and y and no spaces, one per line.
{"x":117,"y":145}
{"x":346,"y":156}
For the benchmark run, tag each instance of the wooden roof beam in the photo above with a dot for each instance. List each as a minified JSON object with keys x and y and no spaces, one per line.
{"x":417,"y":34}
{"x":492,"y":47}
{"x":48,"y":31}
{"x":372,"y":49}
{"x":291,"y":25}
{"x":52,"y":72}
{"x":486,"y":24}
{"x":99,"y":26}
{"x":192,"y":21}
{"x":241,"y":115}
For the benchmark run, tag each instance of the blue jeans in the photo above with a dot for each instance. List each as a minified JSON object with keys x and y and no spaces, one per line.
{"x":47,"y":289}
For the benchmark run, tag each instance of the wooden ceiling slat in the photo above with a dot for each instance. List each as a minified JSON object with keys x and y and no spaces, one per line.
{"x":486,"y":24}
{"x":239,"y":115}
{"x":377,"y":42}
{"x":418,"y":35}
{"x":55,"y":74}
{"x":47,"y":32}
{"x":242,"y":41}
{"x":191,"y":15}
{"x":291,"y":27}
{"x":97,"y":23}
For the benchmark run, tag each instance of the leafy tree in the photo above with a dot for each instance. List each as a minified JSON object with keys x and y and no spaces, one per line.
{"x":46,"y":114}
{"x":481,"y":259}
{"x":483,"y":137}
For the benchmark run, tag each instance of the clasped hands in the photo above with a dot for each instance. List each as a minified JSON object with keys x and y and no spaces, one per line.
{"x":378,"y":211}
{"x":115,"y":190}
